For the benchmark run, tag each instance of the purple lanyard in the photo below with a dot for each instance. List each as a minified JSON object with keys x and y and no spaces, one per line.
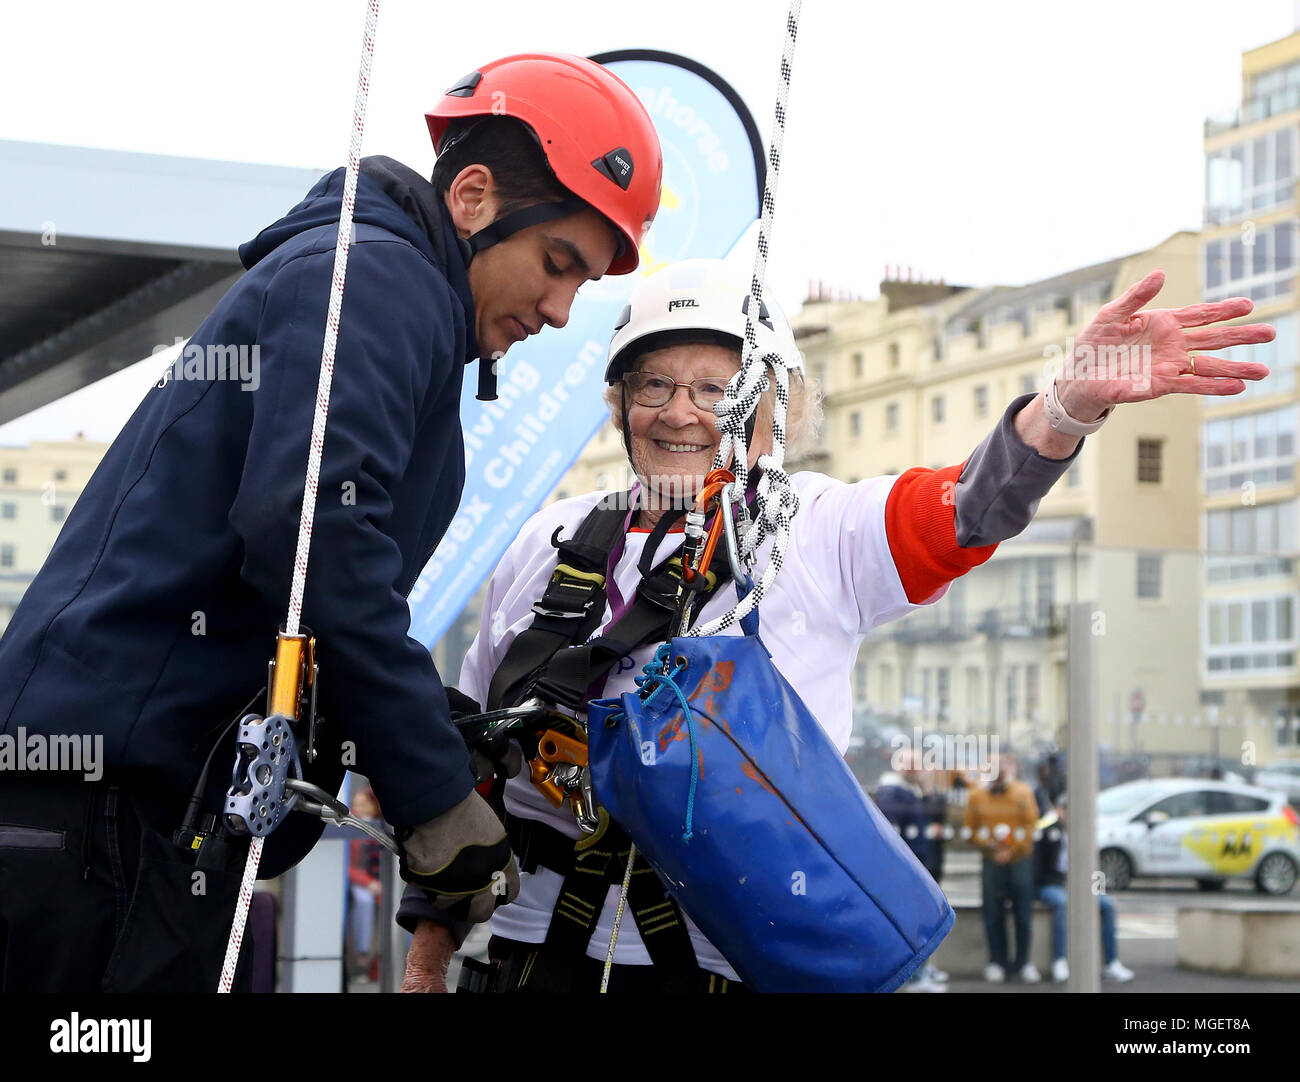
{"x":617,"y":604}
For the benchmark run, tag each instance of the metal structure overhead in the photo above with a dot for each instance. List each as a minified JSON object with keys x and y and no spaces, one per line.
{"x":106,"y":254}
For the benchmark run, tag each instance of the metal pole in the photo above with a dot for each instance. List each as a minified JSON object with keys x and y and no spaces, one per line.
{"x":1082,"y":877}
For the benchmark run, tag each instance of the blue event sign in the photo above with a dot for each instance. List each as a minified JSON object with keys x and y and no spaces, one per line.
{"x":549,"y":387}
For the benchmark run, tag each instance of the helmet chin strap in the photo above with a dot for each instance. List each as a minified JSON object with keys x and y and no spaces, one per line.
{"x":494,"y":233}
{"x":509,"y":224}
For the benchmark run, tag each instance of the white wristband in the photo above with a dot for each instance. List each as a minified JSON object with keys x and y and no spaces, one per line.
{"x":1062,"y":421}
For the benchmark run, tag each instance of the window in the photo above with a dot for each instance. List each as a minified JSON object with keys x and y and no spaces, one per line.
{"x":60,"y":475}
{"x":6,"y":555}
{"x":1258,"y":448}
{"x":1149,"y":461}
{"x":58,"y":513}
{"x":1250,"y":633}
{"x":974,"y":709}
{"x":1148,"y":575}
{"x":926,"y":711}
{"x":1046,"y":585}
{"x":943,"y":689}
{"x":1264,"y":528}
{"x":1073,"y":476}
{"x":1013,"y":680}
{"x":936,"y":408}
{"x":8,"y":510}
{"x":1028,"y":383}
{"x":1182,"y":805}
{"x":1025,"y":584}
{"x":1261,"y":270}
{"x":1250,"y":177}
{"x":857,"y":366}
{"x":982,"y":400}
{"x":891,"y":417}
{"x":855,"y":424}
{"x":894,"y":355}
{"x":10,"y":476}
{"x":1228,"y":803}
{"x":1031,"y":692}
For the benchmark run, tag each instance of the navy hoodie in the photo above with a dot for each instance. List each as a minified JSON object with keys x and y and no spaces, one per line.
{"x":153,"y":618}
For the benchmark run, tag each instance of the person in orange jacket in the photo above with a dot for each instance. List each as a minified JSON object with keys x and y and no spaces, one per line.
{"x":1001,"y":821}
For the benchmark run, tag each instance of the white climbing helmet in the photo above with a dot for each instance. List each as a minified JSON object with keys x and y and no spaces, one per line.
{"x":696,"y":300}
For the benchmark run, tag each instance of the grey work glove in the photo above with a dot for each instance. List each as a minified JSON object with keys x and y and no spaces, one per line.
{"x":462,"y":860}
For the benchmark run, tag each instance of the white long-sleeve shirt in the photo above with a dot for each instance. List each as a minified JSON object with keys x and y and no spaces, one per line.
{"x":838,"y":581}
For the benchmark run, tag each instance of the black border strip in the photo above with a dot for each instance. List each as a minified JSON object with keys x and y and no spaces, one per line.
{"x":723,"y":87}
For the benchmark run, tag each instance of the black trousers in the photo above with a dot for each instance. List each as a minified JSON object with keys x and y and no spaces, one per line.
{"x":94,"y":896}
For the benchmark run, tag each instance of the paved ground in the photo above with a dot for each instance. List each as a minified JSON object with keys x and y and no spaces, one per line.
{"x":1147,"y":924}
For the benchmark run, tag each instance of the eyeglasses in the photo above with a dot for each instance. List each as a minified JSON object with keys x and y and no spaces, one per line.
{"x":652,"y":389}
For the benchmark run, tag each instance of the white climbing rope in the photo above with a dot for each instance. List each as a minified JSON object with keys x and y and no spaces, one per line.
{"x":776,"y":500}
{"x":324,"y":382}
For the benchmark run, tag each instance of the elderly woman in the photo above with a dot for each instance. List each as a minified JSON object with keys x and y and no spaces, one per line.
{"x":858,"y":555}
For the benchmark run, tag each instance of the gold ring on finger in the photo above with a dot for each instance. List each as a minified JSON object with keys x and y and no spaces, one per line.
{"x":1191,"y":359}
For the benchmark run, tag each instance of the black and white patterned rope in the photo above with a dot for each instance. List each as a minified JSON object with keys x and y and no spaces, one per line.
{"x":311,"y":484}
{"x":776,"y":501}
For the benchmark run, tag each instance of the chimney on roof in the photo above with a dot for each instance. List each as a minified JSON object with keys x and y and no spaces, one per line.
{"x":906,"y":292}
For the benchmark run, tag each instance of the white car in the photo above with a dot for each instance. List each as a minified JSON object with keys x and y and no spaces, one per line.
{"x":1283,"y":776}
{"x":1207,"y":830}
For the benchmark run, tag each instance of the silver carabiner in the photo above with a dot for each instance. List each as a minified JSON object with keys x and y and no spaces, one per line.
{"x":738,"y":572}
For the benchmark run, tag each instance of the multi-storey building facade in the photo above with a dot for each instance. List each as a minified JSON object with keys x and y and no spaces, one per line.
{"x":1248,"y":441}
{"x":38,"y":486}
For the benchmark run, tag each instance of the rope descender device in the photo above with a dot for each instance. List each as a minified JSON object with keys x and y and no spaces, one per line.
{"x":267,"y":781}
{"x":554,"y":746}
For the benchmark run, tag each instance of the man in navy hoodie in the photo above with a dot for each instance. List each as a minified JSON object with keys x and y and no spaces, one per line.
{"x":150,"y":624}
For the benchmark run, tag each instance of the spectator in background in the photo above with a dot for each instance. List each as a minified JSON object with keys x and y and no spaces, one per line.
{"x":901,"y":796}
{"x":1001,"y":821}
{"x":365,"y":889}
{"x":1051,"y":783}
{"x":1050,"y":855}
{"x":934,"y":815}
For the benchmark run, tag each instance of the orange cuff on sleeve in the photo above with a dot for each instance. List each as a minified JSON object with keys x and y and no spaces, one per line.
{"x":921,"y":525}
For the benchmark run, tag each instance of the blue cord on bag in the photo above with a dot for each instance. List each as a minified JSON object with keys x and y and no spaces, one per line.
{"x":661,"y":679}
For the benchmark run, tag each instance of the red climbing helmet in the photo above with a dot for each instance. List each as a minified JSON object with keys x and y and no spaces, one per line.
{"x":596,"y":135}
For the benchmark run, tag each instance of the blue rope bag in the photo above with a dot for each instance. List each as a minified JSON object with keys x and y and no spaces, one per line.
{"x":739,"y":800}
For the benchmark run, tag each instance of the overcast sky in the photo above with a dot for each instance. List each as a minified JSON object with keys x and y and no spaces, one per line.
{"x":985,"y":142}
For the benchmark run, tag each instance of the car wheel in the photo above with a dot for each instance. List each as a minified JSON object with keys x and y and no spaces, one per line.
{"x":1209,"y":884}
{"x":1276,"y":874}
{"x":1117,"y":868}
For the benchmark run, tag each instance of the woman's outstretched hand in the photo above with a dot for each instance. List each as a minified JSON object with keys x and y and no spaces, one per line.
{"x":1129,"y":355}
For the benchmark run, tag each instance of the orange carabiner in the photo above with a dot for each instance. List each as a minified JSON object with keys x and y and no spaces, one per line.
{"x":714,"y":484}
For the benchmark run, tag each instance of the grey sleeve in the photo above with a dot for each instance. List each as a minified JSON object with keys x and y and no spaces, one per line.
{"x":1003,"y":481}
